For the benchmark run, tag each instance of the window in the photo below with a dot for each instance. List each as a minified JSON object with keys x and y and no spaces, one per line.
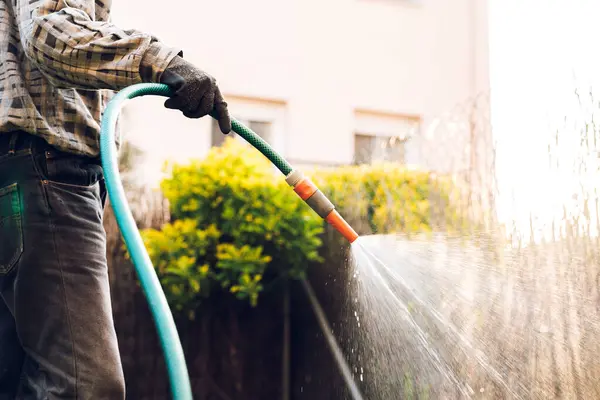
{"x":383,"y":137}
{"x":261,"y":128}
{"x":373,"y":148}
{"x":265,"y":117}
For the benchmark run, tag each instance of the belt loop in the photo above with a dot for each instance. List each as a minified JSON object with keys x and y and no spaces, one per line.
{"x":28,"y":143}
{"x":12,"y":142}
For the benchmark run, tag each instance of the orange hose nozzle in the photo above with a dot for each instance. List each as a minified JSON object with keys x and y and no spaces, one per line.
{"x":335,"y":219}
{"x":309,"y":192}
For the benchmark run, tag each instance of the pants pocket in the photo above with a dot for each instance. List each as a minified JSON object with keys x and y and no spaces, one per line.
{"x":11,"y":228}
{"x":71,"y":170}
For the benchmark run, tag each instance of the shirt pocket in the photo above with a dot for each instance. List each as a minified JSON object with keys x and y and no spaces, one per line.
{"x":11,"y":228}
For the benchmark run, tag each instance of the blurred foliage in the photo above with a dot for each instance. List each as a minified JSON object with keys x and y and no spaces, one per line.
{"x":234,"y":222}
{"x":236,"y":225}
{"x":392,"y":198}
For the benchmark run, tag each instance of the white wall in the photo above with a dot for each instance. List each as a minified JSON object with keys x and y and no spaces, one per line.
{"x":321,"y":59}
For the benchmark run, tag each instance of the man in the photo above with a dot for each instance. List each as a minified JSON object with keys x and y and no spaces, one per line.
{"x":57,"y":339}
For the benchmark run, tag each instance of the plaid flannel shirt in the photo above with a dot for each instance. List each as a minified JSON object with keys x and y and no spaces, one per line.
{"x":61,"y":60}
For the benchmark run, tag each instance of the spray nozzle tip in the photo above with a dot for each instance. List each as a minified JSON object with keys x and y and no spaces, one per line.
{"x":335,"y":219}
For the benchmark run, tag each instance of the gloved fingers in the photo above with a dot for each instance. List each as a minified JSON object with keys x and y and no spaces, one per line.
{"x":221,"y":112}
{"x":179,"y":103}
{"x":199,"y":97}
{"x":207,"y":102}
{"x":189,"y":96}
{"x":203,"y":106}
{"x":172,"y":79}
{"x":173,"y":103}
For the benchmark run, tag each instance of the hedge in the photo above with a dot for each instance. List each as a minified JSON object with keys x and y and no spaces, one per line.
{"x":232,"y":218}
{"x":235,"y":222}
{"x":391,"y":198}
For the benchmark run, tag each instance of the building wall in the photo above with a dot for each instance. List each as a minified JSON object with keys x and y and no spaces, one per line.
{"x":314,"y":64}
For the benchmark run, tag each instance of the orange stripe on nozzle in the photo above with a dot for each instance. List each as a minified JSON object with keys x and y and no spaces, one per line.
{"x":335,"y":219}
{"x":305,"y":188}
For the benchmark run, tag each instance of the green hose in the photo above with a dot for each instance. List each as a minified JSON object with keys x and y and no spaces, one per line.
{"x":261,"y":146}
{"x":163,"y":318}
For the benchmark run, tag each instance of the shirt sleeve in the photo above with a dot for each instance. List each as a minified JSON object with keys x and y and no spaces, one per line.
{"x":62,"y":39}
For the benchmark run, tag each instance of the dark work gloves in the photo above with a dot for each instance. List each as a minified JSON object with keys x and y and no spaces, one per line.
{"x":195,"y":93}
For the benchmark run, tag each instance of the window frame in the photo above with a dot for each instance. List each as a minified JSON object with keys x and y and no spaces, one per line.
{"x":261,"y":110}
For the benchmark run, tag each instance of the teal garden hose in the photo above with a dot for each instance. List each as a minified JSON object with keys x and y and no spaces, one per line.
{"x":163,"y":318}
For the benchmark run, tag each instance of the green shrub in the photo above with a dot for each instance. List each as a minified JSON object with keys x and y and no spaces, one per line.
{"x":392,"y":198}
{"x":234,"y":219}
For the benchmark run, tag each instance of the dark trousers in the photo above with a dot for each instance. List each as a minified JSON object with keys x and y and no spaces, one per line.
{"x":57,"y":337}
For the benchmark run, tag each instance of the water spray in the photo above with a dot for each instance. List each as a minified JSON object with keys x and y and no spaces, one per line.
{"x":163,"y":318}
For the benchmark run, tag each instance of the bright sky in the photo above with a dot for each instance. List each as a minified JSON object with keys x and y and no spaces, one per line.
{"x":541,"y":51}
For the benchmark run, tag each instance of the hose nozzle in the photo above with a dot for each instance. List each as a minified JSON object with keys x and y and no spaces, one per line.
{"x":338,"y":222}
{"x":309,"y":192}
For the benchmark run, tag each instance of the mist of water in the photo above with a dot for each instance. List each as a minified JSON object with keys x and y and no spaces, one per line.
{"x":451,"y":318}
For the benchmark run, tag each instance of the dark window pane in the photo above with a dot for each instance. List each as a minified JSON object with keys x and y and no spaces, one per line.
{"x":262,"y":128}
{"x":363,"y":149}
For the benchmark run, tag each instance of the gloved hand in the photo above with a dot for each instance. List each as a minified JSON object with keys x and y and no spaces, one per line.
{"x":196,"y":93}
